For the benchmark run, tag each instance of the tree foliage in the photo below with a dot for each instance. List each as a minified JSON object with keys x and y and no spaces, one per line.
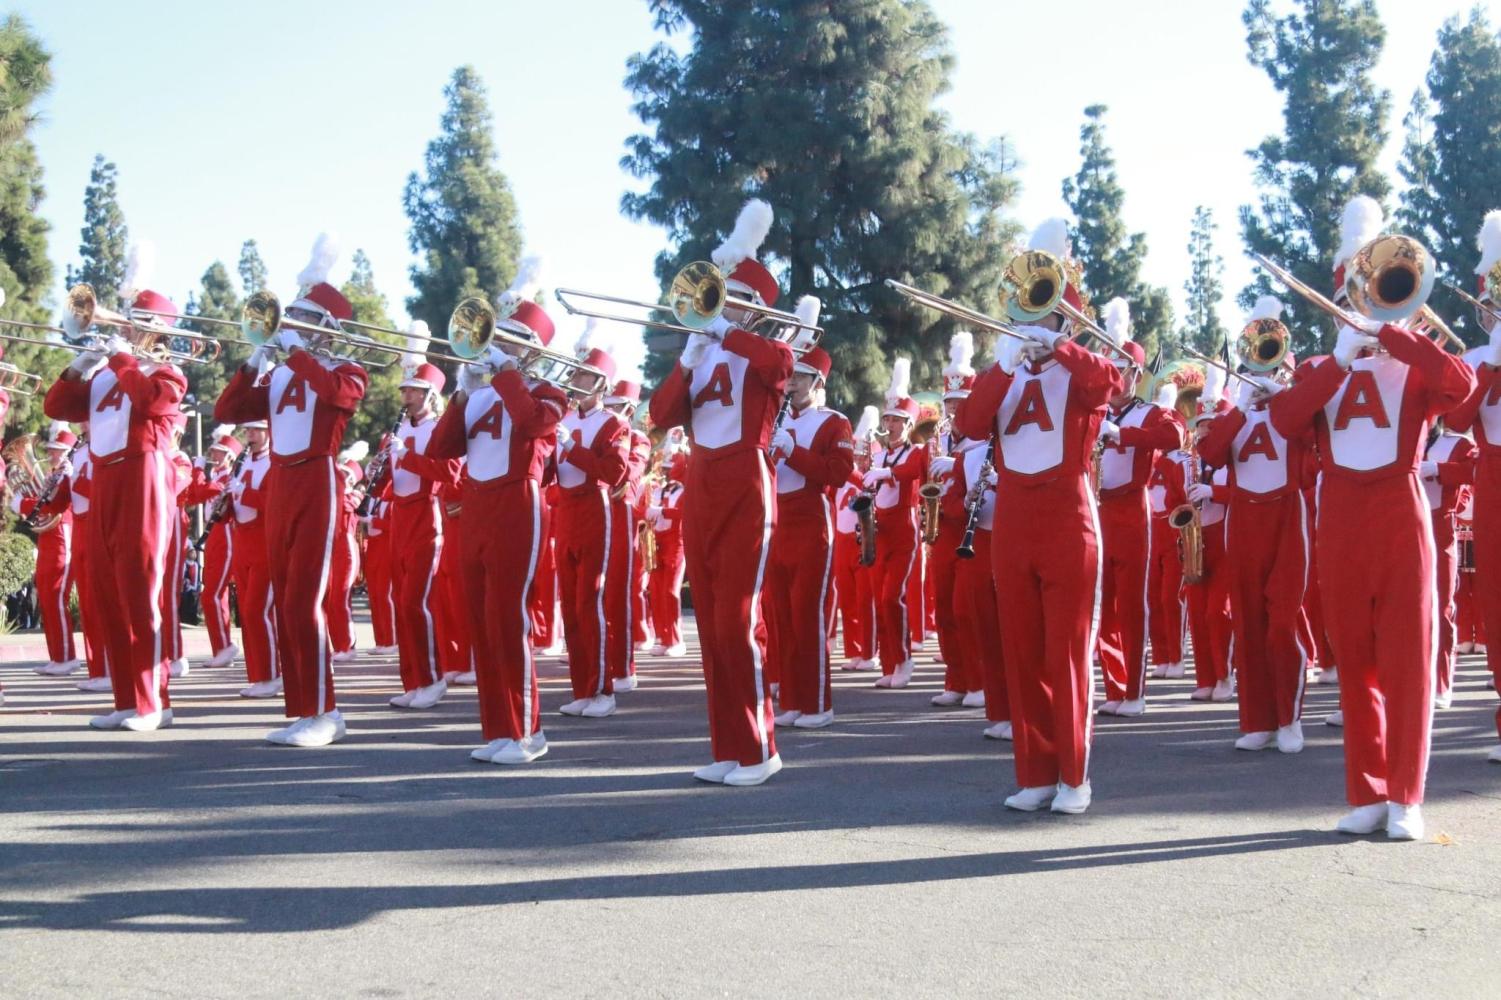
{"x":827,"y":111}
{"x":252,"y":268}
{"x":382,"y":402}
{"x":105,"y":238}
{"x":1320,"y":58}
{"x":214,"y":299}
{"x":1202,"y":329}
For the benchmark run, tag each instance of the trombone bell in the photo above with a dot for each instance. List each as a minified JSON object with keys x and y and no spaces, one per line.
{"x":1264,"y":344}
{"x":1032,"y":285}
{"x":698,"y":295}
{"x":471,"y":328}
{"x":1390,"y":278}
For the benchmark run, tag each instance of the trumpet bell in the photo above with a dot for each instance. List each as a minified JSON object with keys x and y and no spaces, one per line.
{"x":1032,"y":286}
{"x":1390,"y":278}
{"x":471,"y":327}
{"x":697,"y":296}
{"x":260,"y":317}
{"x":1264,"y":344}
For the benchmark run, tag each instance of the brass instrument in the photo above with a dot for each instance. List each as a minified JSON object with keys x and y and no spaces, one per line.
{"x":1200,"y":356}
{"x":261,"y":319}
{"x":472,"y":331}
{"x":1263,"y":344}
{"x":24,"y":476}
{"x":647,"y":536}
{"x":864,"y":506}
{"x":14,"y":380}
{"x":152,"y":343}
{"x":697,"y":297}
{"x":930,"y":494}
{"x":1185,"y":518}
{"x":1032,"y":287}
{"x":929,"y":434}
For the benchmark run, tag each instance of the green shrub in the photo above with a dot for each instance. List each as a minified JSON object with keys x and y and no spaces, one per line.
{"x":17,"y":562}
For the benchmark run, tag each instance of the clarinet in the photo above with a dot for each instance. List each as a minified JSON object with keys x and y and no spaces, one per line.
{"x":221,"y":506}
{"x":974,"y":503}
{"x":375,"y":477}
{"x":781,"y":417}
{"x":49,"y":488}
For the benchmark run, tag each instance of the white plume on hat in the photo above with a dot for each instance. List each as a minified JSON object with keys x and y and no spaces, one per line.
{"x":1487,"y":241}
{"x":1052,"y":236}
{"x":55,"y":428}
{"x":591,"y":336}
{"x":355,"y":452}
{"x":961,"y":354}
{"x":1360,"y":225}
{"x":901,"y":381}
{"x":417,"y":340}
{"x":744,"y":241}
{"x":808,"y":309}
{"x":1167,"y":394}
{"x":2,"y":295}
{"x":524,"y":287}
{"x":321,"y":264}
{"x":139,"y":269}
{"x":221,"y":431}
{"x":1266,"y":307}
{"x":1214,"y":386}
{"x":867,"y":424}
{"x":1117,"y":316}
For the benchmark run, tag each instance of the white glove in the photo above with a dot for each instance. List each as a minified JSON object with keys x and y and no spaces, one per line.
{"x":199,"y":463}
{"x":1042,"y":335}
{"x":498,"y":360}
{"x":653,"y":512}
{"x":941,"y":466}
{"x":473,"y":378}
{"x":117,"y":344}
{"x":1245,"y":394}
{"x":1427,"y":469}
{"x":718,"y":327}
{"x":782,"y":442}
{"x":992,"y":478}
{"x":87,"y":363}
{"x":1349,"y":345}
{"x":289,"y":340}
{"x":397,"y":447}
{"x":565,"y":440}
{"x":1009,"y":352}
{"x":876,"y":476}
{"x":1491,"y":353}
{"x":694,"y":351}
{"x":1266,"y":387}
{"x":1199,"y":492}
{"x":1110,"y":431}
{"x":15,"y":503}
{"x":262,"y":357}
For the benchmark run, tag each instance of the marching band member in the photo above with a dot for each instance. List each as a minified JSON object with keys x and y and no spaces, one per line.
{"x":1043,"y":402}
{"x":456,"y":655}
{"x":898,"y":468}
{"x":417,"y":529}
{"x":547,"y":628}
{"x":1469,"y":626}
{"x":80,"y":487}
{"x":852,"y":583}
{"x":1447,"y":469}
{"x":378,"y":544}
{"x":1370,"y":404}
{"x":814,"y":455}
{"x":211,"y":477}
{"x":727,"y":388}
{"x":593,"y":447}
{"x":504,"y":425}
{"x":54,"y":554}
{"x":665,"y":514}
{"x":129,"y":407}
{"x":177,"y":551}
{"x":622,"y":615}
{"x":307,"y":400}
{"x":1168,"y":615}
{"x":1133,"y":434}
{"x":345,"y":565}
{"x":252,"y":566}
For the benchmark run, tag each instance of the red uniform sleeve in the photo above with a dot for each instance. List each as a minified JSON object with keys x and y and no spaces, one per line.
{"x":912,"y":468}
{"x":1460,"y":469}
{"x":829,"y":458}
{"x":1215,"y":445}
{"x":1447,"y":380}
{"x":436,"y":470}
{"x":771,"y":360}
{"x":605,"y":459}
{"x":670,"y":405}
{"x":201,"y":489}
{"x":536,"y":412}
{"x":975,"y":417}
{"x":67,"y":399}
{"x":448,"y":439}
{"x":1294,"y":408}
{"x":61,"y":500}
{"x":1463,"y":416}
{"x":1159,"y":432}
{"x":1095,"y":378}
{"x":156,"y":394}
{"x":341,"y":387}
{"x":243,"y":399}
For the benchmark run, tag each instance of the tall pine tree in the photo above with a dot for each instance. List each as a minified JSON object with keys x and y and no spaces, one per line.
{"x":1334,"y":126}
{"x":382,"y":402}
{"x":828,"y":112}
{"x":1110,"y":257}
{"x":215,"y":299}
{"x":105,"y":238}
{"x":1202,"y":329}
{"x":252,"y":268}
{"x":463,"y":216}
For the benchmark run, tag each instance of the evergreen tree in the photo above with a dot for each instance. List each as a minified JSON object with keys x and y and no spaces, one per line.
{"x":463,"y":216}
{"x":382,"y":402}
{"x":25,"y":74}
{"x":827,"y":112}
{"x":1415,"y":209}
{"x":1202,"y":329}
{"x":215,"y":299}
{"x":1110,"y":257}
{"x":105,"y":238}
{"x":252,"y":269}
{"x":1334,"y":121}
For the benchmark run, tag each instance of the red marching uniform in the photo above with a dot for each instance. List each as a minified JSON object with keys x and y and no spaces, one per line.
{"x":976,"y":611}
{"x":1451,"y":461}
{"x":1469,"y":625}
{"x":252,"y":569}
{"x":378,"y":572}
{"x":345,"y":565}
{"x":962,"y":675}
{"x":96,"y":649}
{"x":177,"y":553}
{"x":1168,"y":614}
{"x":621,"y":614}
{"x":218,"y":548}
{"x":897,"y":553}
{"x":665,"y":515}
{"x":456,"y":645}
{"x":857,"y":607}
{"x":54,"y":559}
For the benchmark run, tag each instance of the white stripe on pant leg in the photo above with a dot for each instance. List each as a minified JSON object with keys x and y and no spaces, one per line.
{"x":768,"y":499}
{"x":1304,"y":653}
{"x":630,"y":590}
{"x":1146,"y":609}
{"x":157,"y":470}
{"x":534,"y":499}
{"x":599,"y":596}
{"x":64,"y":622}
{"x":902,"y":591}
{"x":320,"y":620}
{"x":434,"y":673}
{"x":1421,"y":502}
{"x":268,"y":617}
{"x":1094,"y":621}
{"x":823,"y":598}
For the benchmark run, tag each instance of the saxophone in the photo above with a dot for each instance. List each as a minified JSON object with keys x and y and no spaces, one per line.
{"x":1186,"y":520}
{"x":24,"y":477}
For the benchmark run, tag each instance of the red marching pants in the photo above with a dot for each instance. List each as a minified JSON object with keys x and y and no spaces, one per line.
{"x":1446,"y":568}
{"x":218,"y":564}
{"x":378,"y":588}
{"x":620,"y":626}
{"x":252,"y":567}
{"x":729,"y":514}
{"x":456,"y":647}
{"x":961,"y":671}
{"x":54,"y":556}
{"x":1126,"y":522}
{"x":919,"y":608}
{"x":667,"y":588}
{"x":1467,"y":621}
{"x":132,"y":521}
{"x":1380,"y":608}
{"x":302,"y":520}
{"x":1047,"y":566}
{"x":1165,"y":588}
{"x":342,"y":572}
{"x":500,"y":567}
{"x":1267,"y":544}
{"x":640,"y":602}
{"x":1487,"y":528}
{"x":95,"y":648}
{"x":582,"y":551}
{"x":1208,"y":604}
{"x":799,"y":600}
{"x":897,"y":554}
{"x":544,"y":600}
{"x":857,"y":606}
{"x":417,"y":530}
{"x":980,"y":626}
{"x":172,"y":581}
{"x":1313,"y":606}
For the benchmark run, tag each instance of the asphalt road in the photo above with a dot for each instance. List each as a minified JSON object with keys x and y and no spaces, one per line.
{"x":201,"y":862}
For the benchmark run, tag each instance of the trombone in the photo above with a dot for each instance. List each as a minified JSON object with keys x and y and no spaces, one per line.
{"x":697,"y":297}
{"x":261,"y":319}
{"x":83,"y":312}
{"x":13,"y":379}
{"x":472,"y":331}
{"x":1032,"y":286}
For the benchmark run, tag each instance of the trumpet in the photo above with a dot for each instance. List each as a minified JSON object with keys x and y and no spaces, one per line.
{"x":698,"y":296}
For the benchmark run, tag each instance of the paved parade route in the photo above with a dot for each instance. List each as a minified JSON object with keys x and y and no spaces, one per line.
{"x":201,"y":862}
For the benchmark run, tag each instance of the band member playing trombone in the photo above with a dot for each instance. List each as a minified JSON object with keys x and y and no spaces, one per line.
{"x":727,"y":389}
{"x":252,"y":566}
{"x":129,"y":405}
{"x":1369,"y":404}
{"x":814,"y":456}
{"x":210,"y":480}
{"x":1043,"y":402}
{"x":307,"y":399}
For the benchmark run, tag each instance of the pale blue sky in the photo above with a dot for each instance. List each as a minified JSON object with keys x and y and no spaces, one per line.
{"x":276,"y":120}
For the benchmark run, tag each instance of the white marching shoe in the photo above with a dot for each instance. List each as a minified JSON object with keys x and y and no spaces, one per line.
{"x":344,"y":656}
{"x":223,"y":657}
{"x":599,"y":707}
{"x":1201,"y":694}
{"x":466,"y":679}
{"x":262,"y":689}
{"x":1494,"y":756}
{"x":1335,"y":718}
{"x":853,"y":663}
{"x":1327,"y":675}
{"x":318,"y":731}
{"x":95,"y":685}
{"x":1072,"y":799}
{"x":1161,"y":669}
{"x":386,"y":650}
{"x":746,"y":776}
{"x":1404,"y":822}
{"x":716,"y":771}
{"x":148,"y":723}
{"x":947,"y":699}
{"x":814,"y":720}
{"x":403,"y":700}
{"x":676,"y":649}
{"x":521,"y":751}
{"x":902,"y":675}
{"x":1255,"y":741}
{"x":427,"y":697}
{"x":112,"y":720}
{"x":1132,"y":707}
{"x":1031,"y":799}
{"x":1109,"y":708}
{"x":1223,"y":691}
{"x":657,"y":650}
{"x":1445,"y":700}
{"x":1290,"y":737}
{"x":1465,"y":647}
{"x":999,"y":731}
{"x":1175,"y":671}
{"x":1363,"y":820}
{"x":974,"y":699}
{"x":788,"y":717}
{"x":178,"y":668}
{"x":489,"y":750}
{"x":59,"y":669}
{"x":574,"y":707}
{"x":625,"y":684}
